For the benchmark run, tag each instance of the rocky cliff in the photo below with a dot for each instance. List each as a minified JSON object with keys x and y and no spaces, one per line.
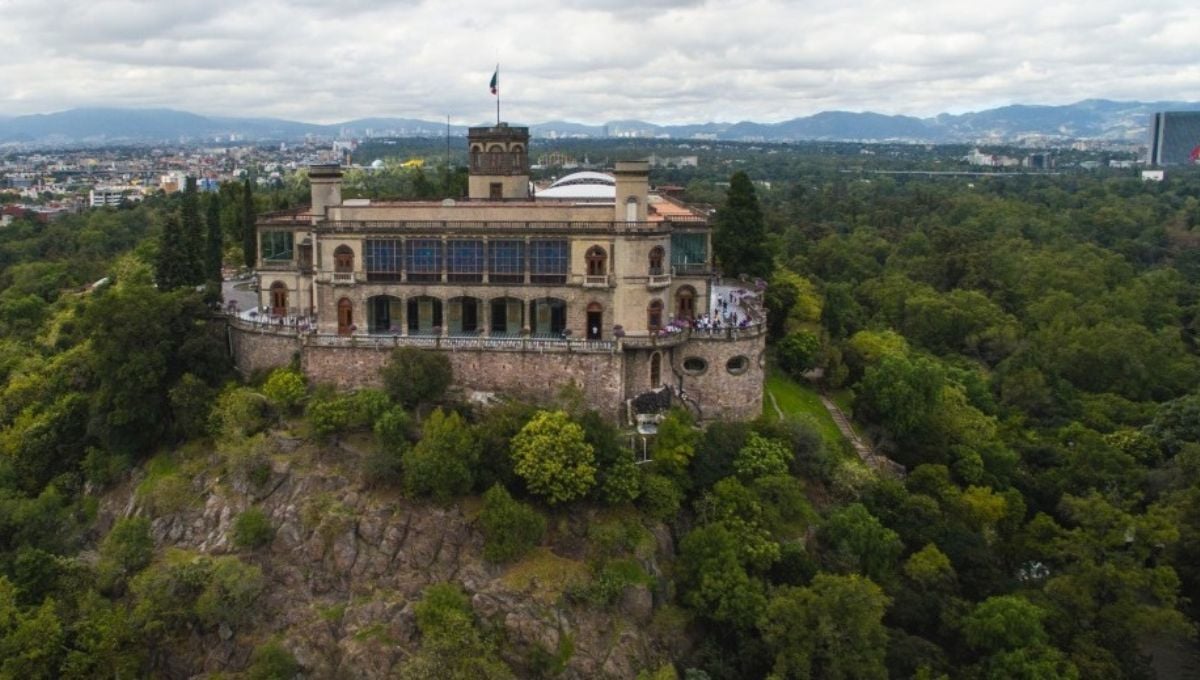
{"x":346,"y":564}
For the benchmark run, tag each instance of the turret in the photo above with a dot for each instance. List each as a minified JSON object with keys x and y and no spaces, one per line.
{"x":499,"y":163}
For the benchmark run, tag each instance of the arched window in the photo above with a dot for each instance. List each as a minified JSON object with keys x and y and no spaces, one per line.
{"x":685,"y":303}
{"x":654,"y":315}
{"x":597,"y":261}
{"x":631,"y":209}
{"x":279,"y":299}
{"x":655,"y":370}
{"x":656,"y":260}
{"x":343,"y":259}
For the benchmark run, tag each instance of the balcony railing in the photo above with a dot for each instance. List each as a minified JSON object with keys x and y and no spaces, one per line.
{"x":595,"y":281}
{"x":658,"y":281}
{"x":343,"y":278}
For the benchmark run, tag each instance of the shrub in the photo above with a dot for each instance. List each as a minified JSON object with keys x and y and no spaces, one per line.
{"x":272,"y":662}
{"x":798,"y":353}
{"x":413,"y":376}
{"x":329,"y":416}
{"x":761,"y":457}
{"x":285,"y":388}
{"x":510,"y":528}
{"x":191,"y":406}
{"x":393,"y":429}
{"x":252,"y":529}
{"x":552,"y":457}
{"x":239,"y":412}
{"x":126,"y":550}
{"x":661,"y":497}
{"x":368,"y":405}
{"x":442,"y":463}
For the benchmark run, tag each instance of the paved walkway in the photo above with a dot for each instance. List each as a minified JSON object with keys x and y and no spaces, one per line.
{"x":864,"y":450}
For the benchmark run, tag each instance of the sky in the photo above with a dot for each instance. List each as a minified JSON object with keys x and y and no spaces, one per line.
{"x":591,"y":61}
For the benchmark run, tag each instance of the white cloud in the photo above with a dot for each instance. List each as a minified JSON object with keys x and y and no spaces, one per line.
{"x":591,"y":60}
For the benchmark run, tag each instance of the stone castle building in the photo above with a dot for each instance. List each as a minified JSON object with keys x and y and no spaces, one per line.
{"x":602,"y":282}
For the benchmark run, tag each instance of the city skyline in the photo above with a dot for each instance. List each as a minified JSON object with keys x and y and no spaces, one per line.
{"x":671,"y":61}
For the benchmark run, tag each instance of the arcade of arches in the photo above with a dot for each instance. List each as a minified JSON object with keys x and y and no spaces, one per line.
{"x":495,"y":317}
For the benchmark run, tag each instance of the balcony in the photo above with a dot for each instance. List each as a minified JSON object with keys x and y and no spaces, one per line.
{"x":591,"y":281}
{"x":656,"y":281}
{"x":338,"y":278}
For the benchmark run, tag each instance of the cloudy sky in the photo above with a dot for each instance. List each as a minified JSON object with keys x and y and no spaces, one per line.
{"x":668,"y":61}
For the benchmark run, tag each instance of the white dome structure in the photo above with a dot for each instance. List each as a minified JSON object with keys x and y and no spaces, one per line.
{"x":582,"y":186}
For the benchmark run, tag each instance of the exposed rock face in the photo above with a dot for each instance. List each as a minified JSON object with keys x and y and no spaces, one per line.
{"x":346,"y":565}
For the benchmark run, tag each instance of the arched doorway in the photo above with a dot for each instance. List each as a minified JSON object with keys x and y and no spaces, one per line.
{"x":384,"y":314}
{"x":279,"y":299}
{"x":548,"y":317}
{"x":464,"y":315}
{"x":508,"y":316}
{"x":685,"y":303}
{"x":654,"y":315}
{"x":424,"y":315}
{"x":595,"y":320}
{"x":345,"y":315}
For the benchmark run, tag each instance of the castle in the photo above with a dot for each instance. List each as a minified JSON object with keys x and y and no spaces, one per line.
{"x":599,"y":282}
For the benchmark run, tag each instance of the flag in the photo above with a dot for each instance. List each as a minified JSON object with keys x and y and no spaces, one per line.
{"x":495,"y":85}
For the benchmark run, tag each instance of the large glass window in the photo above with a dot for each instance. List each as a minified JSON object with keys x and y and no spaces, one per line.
{"x":423,"y":259}
{"x":548,"y":261}
{"x":277,"y":246}
{"x":465,"y":260}
{"x":689,"y":252}
{"x":383,"y":259}
{"x":506,"y":261}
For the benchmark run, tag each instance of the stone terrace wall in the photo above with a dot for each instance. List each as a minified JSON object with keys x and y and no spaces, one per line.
{"x":537,"y":376}
{"x":256,"y":350}
{"x":722,"y":395}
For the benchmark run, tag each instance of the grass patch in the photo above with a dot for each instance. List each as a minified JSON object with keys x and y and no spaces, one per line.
{"x":165,"y":490}
{"x":797,"y":398}
{"x":545,"y":576}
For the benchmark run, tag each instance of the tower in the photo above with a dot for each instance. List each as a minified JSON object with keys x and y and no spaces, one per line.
{"x":499,"y":163}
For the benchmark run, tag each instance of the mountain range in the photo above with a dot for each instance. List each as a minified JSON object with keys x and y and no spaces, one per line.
{"x":1089,"y":119}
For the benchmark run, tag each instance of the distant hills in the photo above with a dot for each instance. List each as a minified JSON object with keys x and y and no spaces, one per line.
{"x":1088,"y":119}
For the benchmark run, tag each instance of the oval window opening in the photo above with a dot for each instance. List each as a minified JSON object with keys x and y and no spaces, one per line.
{"x":737,"y":365}
{"x":695,"y":365}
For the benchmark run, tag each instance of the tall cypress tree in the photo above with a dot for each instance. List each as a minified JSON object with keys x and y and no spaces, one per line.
{"x":171,"y":269}
{"x":215,"y":243}
{"x":739,"y":241}
{"x":249,"y":231}
{"x":192,"y":235}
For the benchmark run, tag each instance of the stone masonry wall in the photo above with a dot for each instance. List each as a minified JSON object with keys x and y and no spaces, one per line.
{"x":531,"y":375}
{"x":258,"y":351}
{"x":722,"y":395}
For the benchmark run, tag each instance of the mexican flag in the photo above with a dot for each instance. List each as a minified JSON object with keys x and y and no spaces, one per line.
{"x":495,"y":85}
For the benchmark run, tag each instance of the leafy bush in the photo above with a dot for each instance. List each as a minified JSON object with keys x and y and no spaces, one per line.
{"x":661,"y":497}
{"x":510,"y":528}
{"x":252,"y":529}
{"x":761,"y":457}
{"x":368,"y":406}
{"x":329,"y":416}
{"x":272,"y":662}
{"x":798,"y":353}
{"x":191,"y":406}
{"x":413,"y":376}
{"x":442,"y":463}
{"x":553,"y":458}
{"x":126,"y":550}
{"x":239,"y":412}
{"x":393,"y":430}
{"x":285,"y":388}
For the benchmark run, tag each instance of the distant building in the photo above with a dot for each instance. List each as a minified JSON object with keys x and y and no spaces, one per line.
{"x":112,"y":196}
{"x":1175,"y":138}
{"x":1153,"y":175}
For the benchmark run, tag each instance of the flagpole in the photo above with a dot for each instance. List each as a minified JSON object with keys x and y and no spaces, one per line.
{"x":497,"y":95}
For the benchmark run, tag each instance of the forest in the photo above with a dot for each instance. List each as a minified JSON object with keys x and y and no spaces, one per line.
{"x":1025,"y":346}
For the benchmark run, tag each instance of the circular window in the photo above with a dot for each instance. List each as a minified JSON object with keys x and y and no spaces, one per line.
{"x":694,"y":365}
{"x":737,"y":365}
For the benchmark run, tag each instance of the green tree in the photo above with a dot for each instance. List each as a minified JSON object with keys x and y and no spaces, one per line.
{"x":452,"y":646}
{"x":442,"y":464}
{"x":214,"y":239}
{"x":761,"y":457}
{"x":550,"y":454}
{"x":252,"y":529}
{"x":414,"y":376}
{"x":510,"y":528}
{"x":285,"y":388}
{"x":832,"y":629}
{"x":860,"y":542}
{"x":249,"y":226}
{"x":193,"y":234}
{"x":900,"y":393}
{"x":713,"y":580}
{"x":172,"y":266}
{"x":739,"y":239}
{"x":126,"y":550}
{"x":798,"y":352}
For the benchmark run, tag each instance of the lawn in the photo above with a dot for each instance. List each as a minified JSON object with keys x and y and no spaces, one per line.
{"x":798,"y":398}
